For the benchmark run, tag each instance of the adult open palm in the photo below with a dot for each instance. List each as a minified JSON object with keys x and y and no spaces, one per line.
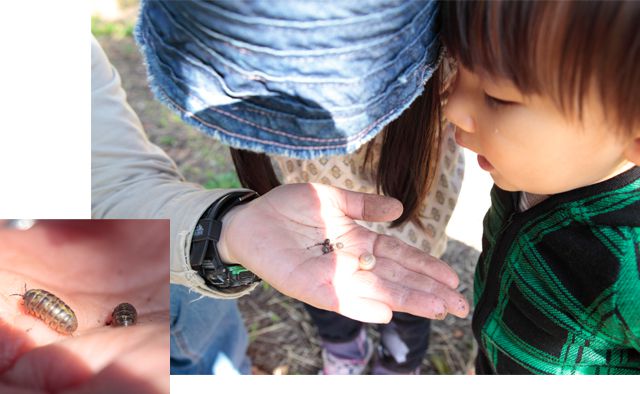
{"x":279,"y":237}
{"x":92,"y":266}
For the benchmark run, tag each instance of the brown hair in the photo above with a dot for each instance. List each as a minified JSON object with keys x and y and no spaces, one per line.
{"x":561,"y":49}
{"x":408,"y":159}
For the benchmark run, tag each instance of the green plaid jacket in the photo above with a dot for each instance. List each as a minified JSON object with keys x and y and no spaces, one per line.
{"x":557,"y":287}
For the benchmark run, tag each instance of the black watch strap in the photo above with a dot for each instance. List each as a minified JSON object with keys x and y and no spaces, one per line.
{"x":204,"y":256}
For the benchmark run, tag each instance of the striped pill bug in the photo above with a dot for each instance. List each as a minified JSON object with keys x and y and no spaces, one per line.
{"x":50,"y":309}
{"x":124,"y":315}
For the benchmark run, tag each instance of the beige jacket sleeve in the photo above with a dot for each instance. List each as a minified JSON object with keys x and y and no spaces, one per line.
{"x":131,"y":178}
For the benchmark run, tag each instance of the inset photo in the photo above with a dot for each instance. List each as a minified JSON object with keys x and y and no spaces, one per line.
{"x":84,"y":306}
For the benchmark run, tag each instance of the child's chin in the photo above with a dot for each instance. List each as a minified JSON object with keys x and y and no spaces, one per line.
{"x":506,"y":186}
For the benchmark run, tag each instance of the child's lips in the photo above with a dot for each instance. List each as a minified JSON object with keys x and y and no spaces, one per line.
{"x":484,"y":163}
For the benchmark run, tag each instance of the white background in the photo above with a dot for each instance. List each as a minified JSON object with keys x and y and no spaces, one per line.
{"x":45,"y":107}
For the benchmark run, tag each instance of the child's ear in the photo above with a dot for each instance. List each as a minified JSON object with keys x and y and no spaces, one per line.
{"x":632,"y":152}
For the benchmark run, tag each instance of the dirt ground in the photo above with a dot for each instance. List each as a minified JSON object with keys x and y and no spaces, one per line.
{"x":283,"y":339}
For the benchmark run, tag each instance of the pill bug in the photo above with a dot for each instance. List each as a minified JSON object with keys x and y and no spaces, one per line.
{"x":50,"y":309}
{"x":124,"y":315}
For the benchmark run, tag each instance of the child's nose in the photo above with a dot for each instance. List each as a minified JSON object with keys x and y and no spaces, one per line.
{"x":457,"y":112}
{"x":458,"y":108}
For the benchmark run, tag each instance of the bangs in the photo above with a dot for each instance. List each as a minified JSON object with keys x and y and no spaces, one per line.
{"x":559,"y":49}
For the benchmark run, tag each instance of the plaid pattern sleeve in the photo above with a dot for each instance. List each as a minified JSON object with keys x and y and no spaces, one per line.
{"x":557,"y":287}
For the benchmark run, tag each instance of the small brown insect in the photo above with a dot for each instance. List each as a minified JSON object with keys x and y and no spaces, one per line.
{"x":50,"y":309}
{"x":327,"y":246}
{"x":124,"y":315}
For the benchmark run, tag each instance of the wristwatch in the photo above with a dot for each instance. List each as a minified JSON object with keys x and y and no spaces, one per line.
{"x":204,"y":256}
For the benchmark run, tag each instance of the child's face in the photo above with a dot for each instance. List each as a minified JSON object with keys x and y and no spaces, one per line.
{"x":527,"y":143}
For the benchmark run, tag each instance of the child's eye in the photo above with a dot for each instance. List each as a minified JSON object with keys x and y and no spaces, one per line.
{"x":496,"y":102}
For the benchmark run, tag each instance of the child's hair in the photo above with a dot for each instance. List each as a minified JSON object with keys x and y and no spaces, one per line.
{"x":560,"y":49}
{"x":408,"y":158}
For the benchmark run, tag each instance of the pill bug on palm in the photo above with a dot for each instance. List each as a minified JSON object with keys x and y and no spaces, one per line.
{"x":124,"y":315}
{"x":50,"y":309}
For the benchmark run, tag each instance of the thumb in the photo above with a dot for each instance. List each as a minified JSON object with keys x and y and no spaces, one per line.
{"x":368,"y":207}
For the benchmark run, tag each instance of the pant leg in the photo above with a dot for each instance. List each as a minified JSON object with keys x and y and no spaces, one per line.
{"x":333,"y":327}
{"x":404,"y":342}
{"x":208,"y":335}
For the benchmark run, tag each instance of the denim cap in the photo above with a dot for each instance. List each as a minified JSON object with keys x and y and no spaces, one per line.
{"x":299,"y":78}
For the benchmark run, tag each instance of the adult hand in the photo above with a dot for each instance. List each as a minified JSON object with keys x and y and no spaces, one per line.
{"x":92,"y":266}
{"x":279,"y":235}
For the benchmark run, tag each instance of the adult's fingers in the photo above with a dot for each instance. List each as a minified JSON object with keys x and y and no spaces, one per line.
{"x":117,"y":379}
{"x":50,"y":368}
{"x":414,"y":259}
{"x":142,"y":349}
{"x":389,"y":282}
{"x":391,"y":271}
{"x":13,"y":343}
{"x":366,"y":310}
{"x":397,"y":296}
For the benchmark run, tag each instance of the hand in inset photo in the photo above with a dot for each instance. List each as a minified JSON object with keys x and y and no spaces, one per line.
{"x":60,"y":284}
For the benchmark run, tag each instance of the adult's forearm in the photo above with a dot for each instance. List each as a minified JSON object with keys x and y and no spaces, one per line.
{"x":134,"y":179}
